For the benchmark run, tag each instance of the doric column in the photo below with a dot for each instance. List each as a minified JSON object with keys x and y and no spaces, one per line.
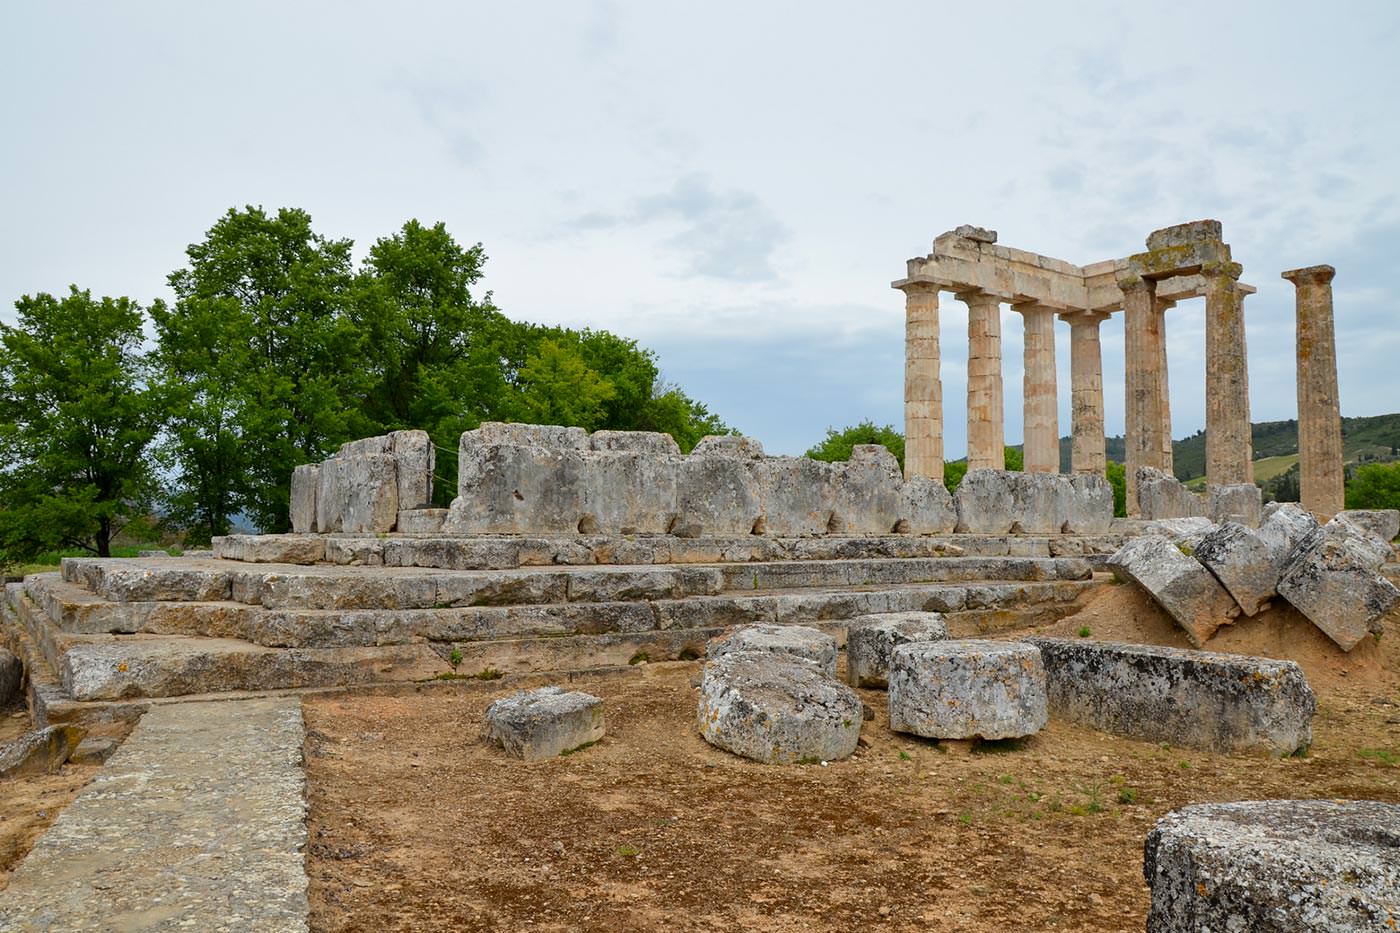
{"x":986,"y":433}
{"x":923,"y":389}
{"x":1142,"y":412}
{"x":1162,"y":306}
{"x":1229,"y":457}
{"x":1086,"y":391}
{"x":1321,"y":480}
{"x":1042,"y":416}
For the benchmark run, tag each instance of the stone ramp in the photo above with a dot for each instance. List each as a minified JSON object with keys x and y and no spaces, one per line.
{"x":197,"y":823}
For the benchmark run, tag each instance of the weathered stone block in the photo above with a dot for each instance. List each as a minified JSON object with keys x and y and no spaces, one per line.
{"x":729,"y":445}
{"x":1243,"y":562}
{"x":543,"y":723}
{"x":967,"y":689}
{"x":505,"y":488}
{"x":332,"y":495}
{"x":796,"y":640}
{"x":1242,"y":503}
{"x":415,"y":459}
{"x":1377,"y":550}
{"x":420,"y":521}
{"x":1161,"y":495}
{"x":655,"y":443}
{"x":1189,"y":592}
{"x":871,"y":640}
{"x":1383,"y":523}
{"x":42,"y":751}
{"x":1090,"y":510}
{"x":986,"y":502}
{"x":1284,"y":528}
{"x":11,"y":677}
{"x":797,"y":495}
{"x":717,"y":493}
{"x":625,"y":492}
{"x":777,"y":708}
{"x":867,"y":487}
{"x":926,"y":507}
{"x":371,"y":494}
{"x":1218,"y":702}
{"x":1322,"y":865}
{"x":552,"y":436}
{"x":1332,"y":579}
{"x":1041,"y":502}
{"x":1188,"y":532}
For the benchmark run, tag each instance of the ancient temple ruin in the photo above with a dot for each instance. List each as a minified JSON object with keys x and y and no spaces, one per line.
{"x":1185,"y":261}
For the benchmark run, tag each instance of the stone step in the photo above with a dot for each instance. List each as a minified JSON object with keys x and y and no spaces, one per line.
{"x":495,"y":552}
{"x":73,"y":610}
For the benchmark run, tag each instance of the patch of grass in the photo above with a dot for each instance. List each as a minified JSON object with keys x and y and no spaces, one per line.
{"x":1004,"y":779}
{"x":455,"y":658}
{"x":627,"y":851}
{"x":1084,"y":631}
{"x":905,"y":756}
{"x":1127,"y":795}
{"x":965,"y":818}
{"x":1383,"y":755}
{"x":451,"y":675}
{"x":1184,"y":765}
{"x":1114,"y":581}
{"x":641,"y":657}
{"x":489,"y":673}
{"x":1186,"y":549}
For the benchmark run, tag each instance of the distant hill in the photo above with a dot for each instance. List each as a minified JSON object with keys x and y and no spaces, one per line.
{"x":1373,"y":438}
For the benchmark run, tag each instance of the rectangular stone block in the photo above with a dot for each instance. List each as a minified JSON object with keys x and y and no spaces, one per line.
{"x":415,"y":458}
{"x":1242,"y":503}
{"x":305,"y":480}
{"x":420,"y":521}
{"x":544,"y":723}
{"x":1332,"y":578}
{"x":1187,"y":591}
{"x":1161,"y":495}
{"x":1217,"y":702}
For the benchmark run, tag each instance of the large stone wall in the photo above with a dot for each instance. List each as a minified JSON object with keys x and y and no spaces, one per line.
{"x":365,"y":485}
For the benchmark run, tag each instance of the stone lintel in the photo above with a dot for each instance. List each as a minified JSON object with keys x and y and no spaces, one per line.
{"x":980,"y":234}
{"x":1310,"y":275}
{"x":1190,"y":233}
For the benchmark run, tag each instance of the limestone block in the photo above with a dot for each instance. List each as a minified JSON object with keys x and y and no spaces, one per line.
{"x":1185,"y":589}
{"x":1383,"y":523}
{"x":985,"y":501}
{"x":797,"y":495}
{"x":640,"y":442}
{"x":717,"y":494}
{"x":1284,"y":528}
{"x":728,"y":445}
{"x":379,"y":444}
{"x":868,"y":497}
{"x":1377,"y":550}
{"x":1040,"y":502}
{"x":1188,"y":532}
{"x":371,"y":493}
{"x":42,"y":751}
{"x":1090,"y":510}
{"x":543,"y":723}
{"x":11,"y":677}
{"x":777,"y":708}
{"x":420,"y":521}
{"x":94,"y":750}
{"x":1242,"y":503}
{"x":796,"y":640}
{"x":1161,"y":495}
{"x":626,"y":492}
{"x":1222,"y":703}
{"x":552,"y":436}
{"x":1243,"y":562}
{"x":305,"y":480}
{"x":926,"y":507}
{"x":1319,"y":865}
{"x":332,"y":496}
{"x":967,"y":689}
{"x":505,"y":488}
{"x":415,"y":459}
{"x":270,"y":549}
{"x":871,"y":640}
{"x":1332,"y":579}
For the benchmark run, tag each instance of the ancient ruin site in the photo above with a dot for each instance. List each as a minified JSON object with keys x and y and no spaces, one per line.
{"x":612,"y":685}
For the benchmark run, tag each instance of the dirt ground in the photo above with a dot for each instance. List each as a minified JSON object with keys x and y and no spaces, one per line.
{"x":416,"y":824}
{"x":29,"y":804}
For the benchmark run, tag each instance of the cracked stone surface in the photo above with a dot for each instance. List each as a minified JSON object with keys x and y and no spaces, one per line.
{"x":197,"y":822}
{"x":967,"y":689}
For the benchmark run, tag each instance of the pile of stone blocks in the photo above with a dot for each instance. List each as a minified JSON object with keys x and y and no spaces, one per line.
{"x":1204,"y":577}
{"x":1218,"y":702}
{"x":1323,"y":865}
{"x":764,"y":697}
{"x":1162,"y":496}
{"x":366,"y":487}
{"x":543,"y":723}
{"x":542,"y":479}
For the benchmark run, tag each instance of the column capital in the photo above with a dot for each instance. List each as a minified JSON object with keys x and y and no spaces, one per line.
{"x":1231,"y":270}
{"x":1136,"y":284}
{"x":977,"y":296}
{"x":1030,"y":307}
{"x":1084,"y":317}
{"x":918,"y":288}
{"x":1310,"y":275}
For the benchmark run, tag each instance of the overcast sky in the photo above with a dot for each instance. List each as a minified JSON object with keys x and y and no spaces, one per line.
{"x":735,"y":184}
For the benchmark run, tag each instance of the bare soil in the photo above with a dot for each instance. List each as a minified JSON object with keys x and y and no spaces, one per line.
{"x":416,"y":824}
{"x":29,"y":804}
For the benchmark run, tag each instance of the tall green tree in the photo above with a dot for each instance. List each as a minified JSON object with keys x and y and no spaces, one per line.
{"x":1374,"y":486}
{"x":838,"y":445}
{"x":270,"y":359}
{"x":78,"y":414}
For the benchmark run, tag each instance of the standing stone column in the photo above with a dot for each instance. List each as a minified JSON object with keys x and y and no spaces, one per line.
{"x":1321,"y":479}
{"x":1041,"y":405}
{"x":1086,"y":391}
{"x":1161,"y":306}
{"x":923,"y":388}
{"x":986,"y":432}
{"x":1142,"y":412}
{"x":1229,"y":455}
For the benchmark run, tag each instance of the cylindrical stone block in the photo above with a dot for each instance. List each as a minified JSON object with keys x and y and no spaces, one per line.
{"x":967,"y":689}
{"x":1086,"y":393}
{"x":986,"y":433}
{"x":1229,"y":459}
{"x":1142,"y":413}
{"x":1164,"y":423}
{"x":1321,"y":479}
{"x":923,"y":389}
{"x":1042,"y":416}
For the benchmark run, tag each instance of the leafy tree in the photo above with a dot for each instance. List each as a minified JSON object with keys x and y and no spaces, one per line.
{"x":953,"y":474}
{"x":271,"y":361}
{"x":560,"y":388}
{"x":838,"y":445}
{"x":1374,"y":486}
{"x":1117,"y":476}
{"x":77,"y":416}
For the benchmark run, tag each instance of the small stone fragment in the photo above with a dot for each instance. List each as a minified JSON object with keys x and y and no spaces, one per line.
{"x":93,"y":750}
{"x":543,"y":723}
{"x":42,"y":751}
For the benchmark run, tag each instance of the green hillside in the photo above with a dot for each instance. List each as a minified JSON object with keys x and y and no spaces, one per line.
{"x":1373,"y":438}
